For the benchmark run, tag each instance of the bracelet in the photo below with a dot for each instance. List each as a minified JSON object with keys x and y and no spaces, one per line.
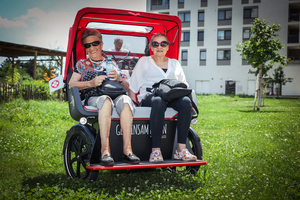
{"x":122,"y":81}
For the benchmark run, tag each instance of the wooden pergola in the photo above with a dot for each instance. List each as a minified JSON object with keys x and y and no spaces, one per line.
{"x":13,"y":50}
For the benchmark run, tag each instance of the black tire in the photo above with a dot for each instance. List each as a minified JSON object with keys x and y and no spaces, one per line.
{"x":77,"y":155}
{"x":195,"y":148}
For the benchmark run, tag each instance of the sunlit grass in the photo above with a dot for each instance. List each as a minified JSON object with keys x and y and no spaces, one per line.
{"x":251,"y":155}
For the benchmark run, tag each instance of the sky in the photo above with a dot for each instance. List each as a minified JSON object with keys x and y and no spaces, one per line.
{"x":46,"y":23}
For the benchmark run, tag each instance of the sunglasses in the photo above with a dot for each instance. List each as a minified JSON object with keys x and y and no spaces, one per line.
{"x":162,"y":44}
{"x":88,"y":45}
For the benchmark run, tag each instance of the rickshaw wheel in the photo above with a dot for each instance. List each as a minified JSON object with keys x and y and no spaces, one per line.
{"x":77,"y":156}
{"x":195,"y":148}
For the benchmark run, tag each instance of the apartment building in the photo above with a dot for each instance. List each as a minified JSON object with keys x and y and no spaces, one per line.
{"x":212,"y":28}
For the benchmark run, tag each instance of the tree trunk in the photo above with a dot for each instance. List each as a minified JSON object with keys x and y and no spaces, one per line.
{"x":261,"y":92}
{"x":259,"y":98}
{"x":258,"y":89}
{"x":256,"y":92}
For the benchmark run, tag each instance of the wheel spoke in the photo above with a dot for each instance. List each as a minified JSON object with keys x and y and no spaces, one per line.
{"x":78,"y":169}
{"x":76,"y":148}
{"x":83,"y":163}
{"x":80,"y":145}
{"x":73,"y":160}
{"x":83,"y":154}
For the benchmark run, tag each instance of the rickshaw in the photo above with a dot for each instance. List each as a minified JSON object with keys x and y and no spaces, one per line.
{"x":81,"y":150}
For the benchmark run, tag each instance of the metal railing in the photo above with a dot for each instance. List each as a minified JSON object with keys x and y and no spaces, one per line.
{"x":160,"y":7}
{"x":294,"y":60}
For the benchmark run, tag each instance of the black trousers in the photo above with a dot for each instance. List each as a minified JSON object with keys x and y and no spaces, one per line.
{"x":182,"y":105}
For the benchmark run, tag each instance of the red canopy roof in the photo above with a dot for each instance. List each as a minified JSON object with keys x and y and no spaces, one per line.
{"x":168,"y":24}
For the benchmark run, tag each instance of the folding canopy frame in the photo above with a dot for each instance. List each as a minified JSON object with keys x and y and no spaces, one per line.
{"x":168,"y":24}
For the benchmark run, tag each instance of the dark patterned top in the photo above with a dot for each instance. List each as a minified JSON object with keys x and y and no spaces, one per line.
{"x":89,"y":70}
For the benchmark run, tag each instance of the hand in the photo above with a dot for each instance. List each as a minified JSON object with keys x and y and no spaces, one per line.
{"x":113,"y":75}
{"x":97,"y":81}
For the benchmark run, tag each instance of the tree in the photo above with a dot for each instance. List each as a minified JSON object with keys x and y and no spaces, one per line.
{"x":261,"y":51}
{"x":13,"y":76}
{"x":279,"y":78}
{"x":4,"y":68}
{"x":8,"y":73}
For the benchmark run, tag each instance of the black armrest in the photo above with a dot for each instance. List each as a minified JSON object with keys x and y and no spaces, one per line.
{"x":75,"y":106}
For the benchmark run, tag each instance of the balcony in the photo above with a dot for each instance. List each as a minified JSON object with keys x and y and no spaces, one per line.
{"x":294,"y":60}
{"x":294,"y":55}
{"x":294,"y":17}
{"x":160,"y":7}
{"x":293,"y":39}
{"x":225,"y":2}
{"x":293,"y":33}
{"x":294,"y":12}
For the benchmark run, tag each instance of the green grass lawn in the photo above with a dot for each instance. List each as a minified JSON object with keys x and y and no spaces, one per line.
{"x":251,"y":155}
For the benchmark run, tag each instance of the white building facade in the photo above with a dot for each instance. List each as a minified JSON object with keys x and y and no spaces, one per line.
{"x":211,"y":30}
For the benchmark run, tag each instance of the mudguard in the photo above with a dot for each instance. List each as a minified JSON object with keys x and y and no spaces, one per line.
{"x":87,"y":131}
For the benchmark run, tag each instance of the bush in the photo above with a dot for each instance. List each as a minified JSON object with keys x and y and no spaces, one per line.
{"x":29,"y":89}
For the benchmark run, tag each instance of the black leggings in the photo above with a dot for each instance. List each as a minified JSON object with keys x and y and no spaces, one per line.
{"x":182,"y":105}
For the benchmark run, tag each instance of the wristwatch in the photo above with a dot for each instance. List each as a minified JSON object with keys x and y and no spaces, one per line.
{"x":122,"y":81}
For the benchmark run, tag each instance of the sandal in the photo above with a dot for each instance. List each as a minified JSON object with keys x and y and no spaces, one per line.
{"x":156,"y":156}
{"x":184,"y":155}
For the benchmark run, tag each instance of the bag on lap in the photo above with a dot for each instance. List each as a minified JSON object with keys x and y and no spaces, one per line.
{"x":111,"y":88}
{"x":170,"y":89}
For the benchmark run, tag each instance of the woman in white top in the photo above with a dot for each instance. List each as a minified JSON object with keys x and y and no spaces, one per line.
{"x":150,"y":70}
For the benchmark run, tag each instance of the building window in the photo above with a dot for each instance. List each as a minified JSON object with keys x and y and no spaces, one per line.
{"x":225,"y":14}
{"x":159,"y":2}
{"x":180,"y":3}
{"x":202,"y":55}
{"x":250,"y":13}
{"x":246,"y":34}
{"x":185,"y":17}
{"x":203,"y":3}
{"x":184,"y":56}
{"x":201,"y":16}
{"x":224,"y":35}
{"x":294,"y":14}
{"x":185,"y":36}
{"x":224,"y":54}
{"x":225,"y":2}
{"x":201,"y":36}
{"x":293,"y":34}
